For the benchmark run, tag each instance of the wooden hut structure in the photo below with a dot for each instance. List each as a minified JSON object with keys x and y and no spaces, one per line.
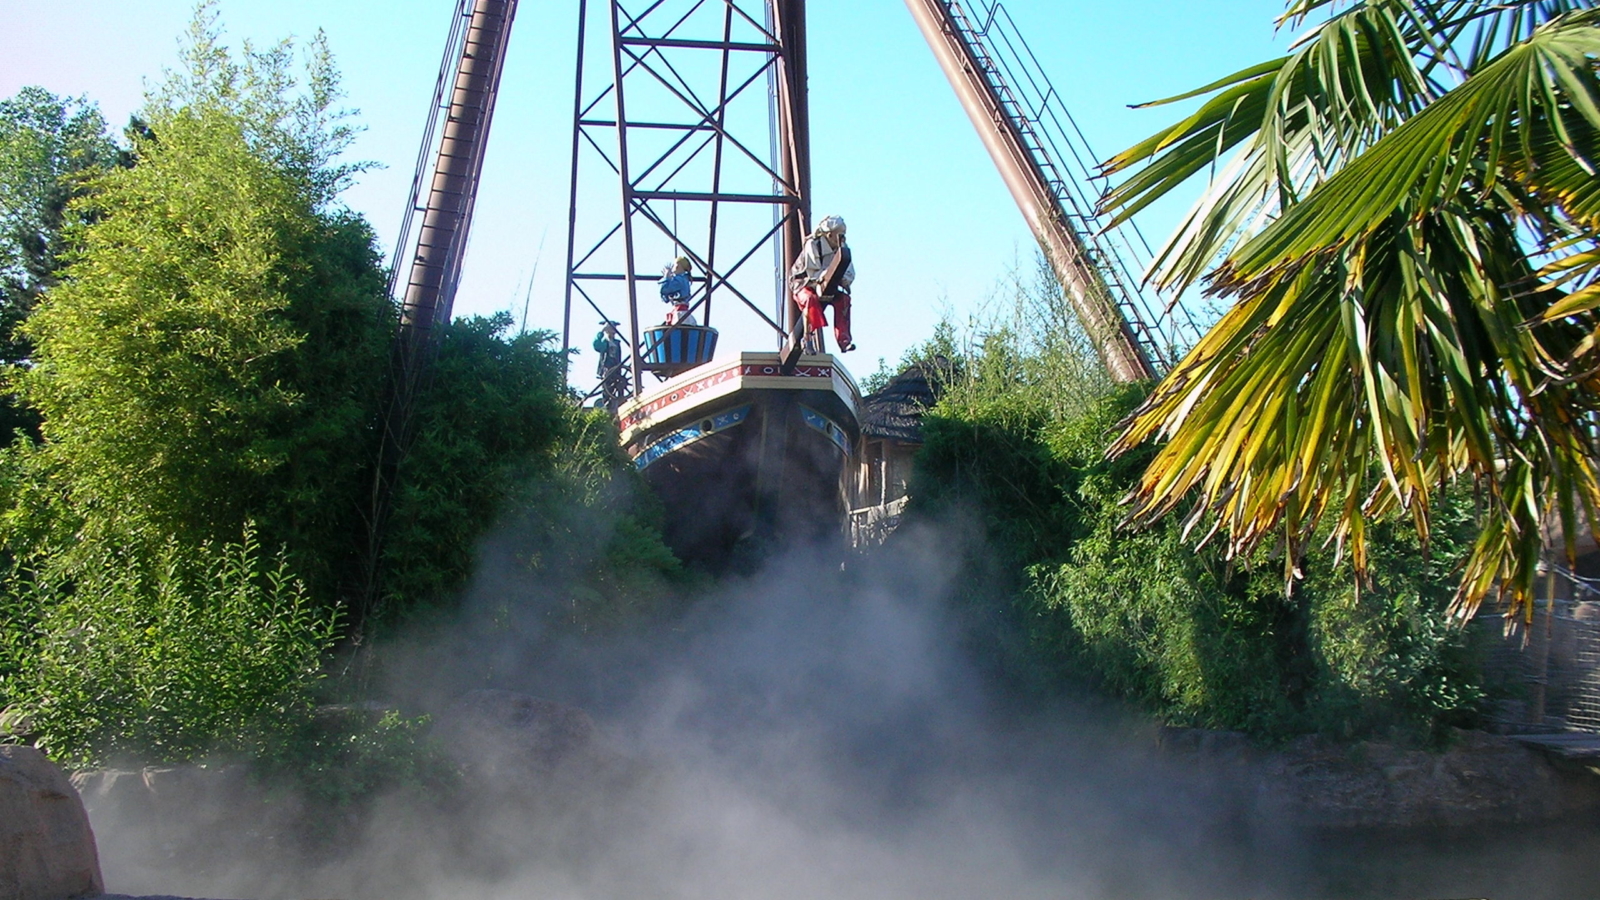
{"x":891,"y":435}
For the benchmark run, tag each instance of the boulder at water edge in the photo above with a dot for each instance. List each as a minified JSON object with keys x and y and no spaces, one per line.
{"x":47,"y":851}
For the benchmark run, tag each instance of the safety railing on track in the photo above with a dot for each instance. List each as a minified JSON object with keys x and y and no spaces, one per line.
{"x":1062,"y":153}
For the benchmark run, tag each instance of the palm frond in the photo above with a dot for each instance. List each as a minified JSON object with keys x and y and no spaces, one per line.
{"x":1499,"y":123}
{"x":1290,"y":122}
{"x":1354,"y":387}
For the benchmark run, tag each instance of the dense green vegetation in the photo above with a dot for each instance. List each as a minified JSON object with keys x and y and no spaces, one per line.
{"x":1067,"y":592}
{"x":201,"y":350}
{"x":203,"y":549}
{"x":187,"y":652}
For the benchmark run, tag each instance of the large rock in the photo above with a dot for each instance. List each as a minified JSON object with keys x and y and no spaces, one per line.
{"x":47,"y":851}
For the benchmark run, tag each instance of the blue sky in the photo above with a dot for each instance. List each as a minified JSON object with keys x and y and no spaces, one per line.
{"x":933,"y":229}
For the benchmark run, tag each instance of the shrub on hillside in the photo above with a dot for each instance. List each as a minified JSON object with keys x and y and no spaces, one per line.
{"x":581,"y":543}
{"x":165,"y":655}
{"x":1065,"y":591}
{"x":486,"y":424}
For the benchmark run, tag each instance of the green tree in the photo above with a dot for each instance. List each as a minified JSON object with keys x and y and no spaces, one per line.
{"x":49,"y":147}
{"x":1418,"y":307}
{"x":217,"y":347}
{"x":214,"y":361}
{"x":488,"y":418}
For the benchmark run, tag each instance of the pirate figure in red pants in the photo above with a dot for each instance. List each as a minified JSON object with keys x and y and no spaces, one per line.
{"x":821,"y":277}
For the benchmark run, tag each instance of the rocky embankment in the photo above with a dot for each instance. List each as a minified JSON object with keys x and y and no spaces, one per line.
{"x":536,"y":752}
{"x":1479,"y":780}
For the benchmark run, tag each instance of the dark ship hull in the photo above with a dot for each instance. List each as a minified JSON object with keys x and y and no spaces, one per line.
{"x":745,"y":457}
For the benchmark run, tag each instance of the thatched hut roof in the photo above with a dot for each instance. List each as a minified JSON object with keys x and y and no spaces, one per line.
{"x":895,"y":413}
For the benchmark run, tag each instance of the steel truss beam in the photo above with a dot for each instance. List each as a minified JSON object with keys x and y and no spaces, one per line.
{"x":1050,"y":170}
{"x":669,"y":102}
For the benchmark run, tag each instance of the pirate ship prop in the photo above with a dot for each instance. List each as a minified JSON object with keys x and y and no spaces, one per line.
{"x":746,"y":453}
{"x":751,"y":449}
{"x":697,"y":110}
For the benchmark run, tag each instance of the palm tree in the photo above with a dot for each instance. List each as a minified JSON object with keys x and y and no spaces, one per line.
{"x":1404,"y":215}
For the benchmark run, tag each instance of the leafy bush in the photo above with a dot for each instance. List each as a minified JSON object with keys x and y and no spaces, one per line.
{"x":487,"y":422}
{"x":592,"y":527}
{"x":1388,"y":653}
{"x":345,"y":755}
{"x":1062,"y":590}
{"x":168,"y":655}
{"x":1213,"y":643}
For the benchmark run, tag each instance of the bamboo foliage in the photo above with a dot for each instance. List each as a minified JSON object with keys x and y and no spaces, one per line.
{"x":1406,"y":228}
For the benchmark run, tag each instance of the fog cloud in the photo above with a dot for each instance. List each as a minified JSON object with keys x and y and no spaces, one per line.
{"x":815,"y":730}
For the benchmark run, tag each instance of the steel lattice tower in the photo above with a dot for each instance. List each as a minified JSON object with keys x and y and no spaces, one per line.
{"x":690,"y":137}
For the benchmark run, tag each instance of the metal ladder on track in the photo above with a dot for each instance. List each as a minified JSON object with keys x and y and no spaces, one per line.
{"x":1159,"y":334}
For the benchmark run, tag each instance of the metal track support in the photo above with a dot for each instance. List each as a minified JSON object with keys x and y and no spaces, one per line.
{"x":794,"y":140}
{"x":671,"y":122}
{"x":435,"y":266}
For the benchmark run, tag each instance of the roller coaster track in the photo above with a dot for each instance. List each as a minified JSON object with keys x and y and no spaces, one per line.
{"x":1048,"y":167}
